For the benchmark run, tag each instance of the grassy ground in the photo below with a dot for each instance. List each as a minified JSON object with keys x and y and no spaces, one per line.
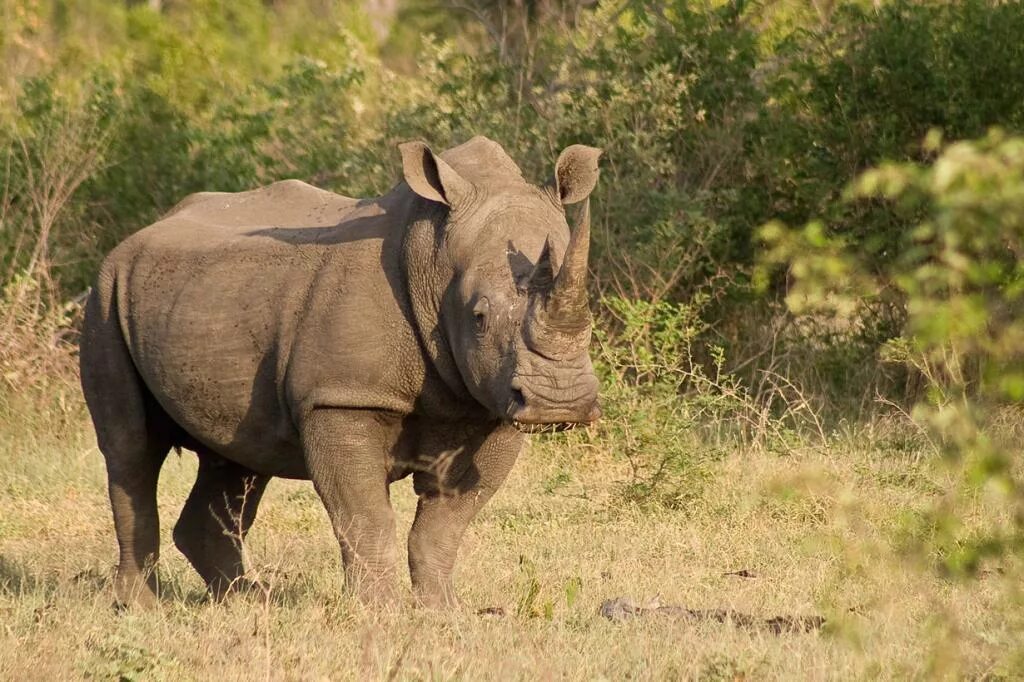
{"x":815,"y":528}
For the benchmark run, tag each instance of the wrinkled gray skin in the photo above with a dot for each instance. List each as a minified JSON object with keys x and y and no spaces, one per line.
{"x":292,"y":332}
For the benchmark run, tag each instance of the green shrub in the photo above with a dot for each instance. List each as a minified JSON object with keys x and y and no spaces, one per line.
{"x":958,"y":273}
{"x":867,"y":89}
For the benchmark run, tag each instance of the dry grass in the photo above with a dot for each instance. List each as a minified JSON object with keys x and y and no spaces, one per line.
{"x":815,"y":528}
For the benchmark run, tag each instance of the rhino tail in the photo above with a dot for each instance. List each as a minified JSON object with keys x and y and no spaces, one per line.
{"x":113,"y":389}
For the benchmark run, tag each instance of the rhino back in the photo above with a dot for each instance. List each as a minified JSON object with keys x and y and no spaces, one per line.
{"x":240,"y":310}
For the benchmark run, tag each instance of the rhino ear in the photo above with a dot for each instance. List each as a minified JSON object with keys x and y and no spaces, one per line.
{"x":576,"y":173}
{"x":430,"y":177}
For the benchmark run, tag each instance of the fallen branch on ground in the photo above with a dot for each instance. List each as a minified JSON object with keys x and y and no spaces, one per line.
{"x":622,"y":609}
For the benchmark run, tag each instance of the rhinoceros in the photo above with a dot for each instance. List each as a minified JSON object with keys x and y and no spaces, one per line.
{"x":289,"y":331}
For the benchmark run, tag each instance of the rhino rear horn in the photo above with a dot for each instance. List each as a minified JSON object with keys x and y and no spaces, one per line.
{"x":543,"y":275}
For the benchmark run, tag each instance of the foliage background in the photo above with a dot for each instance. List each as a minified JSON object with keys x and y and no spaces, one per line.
{"x":808,"y":230}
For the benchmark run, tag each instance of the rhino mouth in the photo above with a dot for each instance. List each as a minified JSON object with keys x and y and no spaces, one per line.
{"x":544,"y":428}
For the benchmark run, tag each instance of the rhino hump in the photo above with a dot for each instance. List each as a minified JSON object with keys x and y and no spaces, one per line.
{"x":287,"y":203}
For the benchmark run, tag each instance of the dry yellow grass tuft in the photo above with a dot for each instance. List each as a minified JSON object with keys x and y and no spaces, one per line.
{"x":814,"y":532}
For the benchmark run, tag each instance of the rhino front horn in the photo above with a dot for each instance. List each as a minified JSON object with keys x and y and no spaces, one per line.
{"x":559,"y":320}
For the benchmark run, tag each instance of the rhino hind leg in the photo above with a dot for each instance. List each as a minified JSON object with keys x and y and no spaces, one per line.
{"x":132,"y":482}
{"x":132,"y":434}
{"x":215,"y":520}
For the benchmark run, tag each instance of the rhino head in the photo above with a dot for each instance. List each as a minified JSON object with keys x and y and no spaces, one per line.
{"x":514,"y":311}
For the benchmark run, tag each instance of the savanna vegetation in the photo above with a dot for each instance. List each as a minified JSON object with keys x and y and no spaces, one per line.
{"x":807,"y":281}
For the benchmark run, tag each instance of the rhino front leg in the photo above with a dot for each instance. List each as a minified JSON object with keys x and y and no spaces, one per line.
{"x":449,"y":497}
{"x":346,"y":456}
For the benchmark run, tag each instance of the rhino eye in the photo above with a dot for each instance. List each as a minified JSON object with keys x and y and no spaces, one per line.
{"x":480,"y":314}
